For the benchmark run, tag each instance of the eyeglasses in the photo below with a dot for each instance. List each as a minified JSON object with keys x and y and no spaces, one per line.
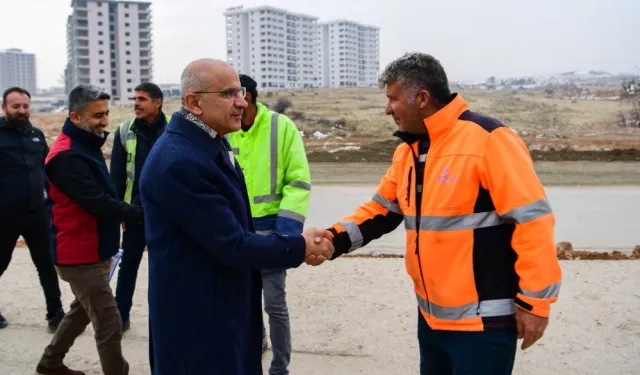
{"x":228,"y":93}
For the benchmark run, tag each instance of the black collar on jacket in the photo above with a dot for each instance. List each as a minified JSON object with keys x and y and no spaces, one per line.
{"x":87,"y":139}
{"x":158,"y":125}
{"x":5,"y":126}
{"x":217,"y":149}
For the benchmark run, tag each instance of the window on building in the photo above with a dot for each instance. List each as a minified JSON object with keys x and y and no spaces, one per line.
{"x":128,"y":71}
{"x":126,"y":24}
{"x":128,"y":62}
{"x":126,"y":15}
{"x":100,"y":33}
{"x":99,"y":23}
{"x":101,"y":52}
{"x":127,"y":43}
{"x":100,"y":42}
{"x":101,"y":71}
{"x":126,"y":34}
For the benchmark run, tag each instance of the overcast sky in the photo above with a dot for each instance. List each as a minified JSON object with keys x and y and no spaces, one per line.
{"x":473,"y":39}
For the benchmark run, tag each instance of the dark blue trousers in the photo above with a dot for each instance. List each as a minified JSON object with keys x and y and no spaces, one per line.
{"x":465,"y":353}
{"x":133,"y":243}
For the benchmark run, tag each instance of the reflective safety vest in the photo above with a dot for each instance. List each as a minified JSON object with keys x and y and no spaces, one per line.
{"x":479,"y":227}
{"x":129,"y":141}
{"x":272,"y":157}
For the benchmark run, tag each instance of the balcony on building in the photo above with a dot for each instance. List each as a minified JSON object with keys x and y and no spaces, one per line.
{"x":144,"y":25}
{"x":84,"y":72}
{"x":81,"y":34}
{"x":81,"y":24}
{"x":79,"y":4}
{"x":80,"y":14}
{"x":81,"y":50}
{"x":144,"y":11}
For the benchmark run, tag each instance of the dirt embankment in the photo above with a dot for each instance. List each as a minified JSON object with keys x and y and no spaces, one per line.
{"x":383,"y":150}
{"x":569,"y":154}
{"x":564,"y":250}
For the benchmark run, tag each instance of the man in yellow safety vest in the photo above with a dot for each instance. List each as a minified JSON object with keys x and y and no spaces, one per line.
{"x":132,"y":142}
{"x":271,"y":153}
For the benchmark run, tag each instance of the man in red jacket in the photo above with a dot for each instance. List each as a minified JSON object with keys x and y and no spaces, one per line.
{"x":85,"y":232}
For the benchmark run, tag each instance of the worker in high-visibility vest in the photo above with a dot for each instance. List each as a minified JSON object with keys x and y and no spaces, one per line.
{"x":132,"y":142}
{"x":271,"y":153}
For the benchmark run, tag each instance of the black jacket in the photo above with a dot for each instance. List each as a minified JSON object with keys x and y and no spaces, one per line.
{"x":86,"y":211}
{"x":22,"y":179}
{"x":146,"y":138}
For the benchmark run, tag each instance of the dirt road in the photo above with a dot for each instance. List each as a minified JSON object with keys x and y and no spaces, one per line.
{"x":358,"y":316}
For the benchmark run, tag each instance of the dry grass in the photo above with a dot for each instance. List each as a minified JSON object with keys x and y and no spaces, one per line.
{"x":358,"y":113}
{"x":361,"y":111}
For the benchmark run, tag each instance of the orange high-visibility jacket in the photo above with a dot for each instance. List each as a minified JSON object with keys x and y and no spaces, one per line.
{"x":481,"y":242}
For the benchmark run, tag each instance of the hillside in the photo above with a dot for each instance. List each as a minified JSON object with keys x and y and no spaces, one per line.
{"x":350,"y":124}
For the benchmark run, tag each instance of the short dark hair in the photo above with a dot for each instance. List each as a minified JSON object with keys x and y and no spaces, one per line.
{"x":418,"y":71}
{"x":152,"y":89}
{"x":251,"y":86}
{"x":11,"y":90}
{"x":82,"y":95}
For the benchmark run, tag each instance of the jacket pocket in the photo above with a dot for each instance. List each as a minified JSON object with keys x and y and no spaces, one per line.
{"x":409,"y":187}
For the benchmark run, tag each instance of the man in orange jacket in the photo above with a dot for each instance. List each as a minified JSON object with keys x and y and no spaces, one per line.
{"x":479,"y":227}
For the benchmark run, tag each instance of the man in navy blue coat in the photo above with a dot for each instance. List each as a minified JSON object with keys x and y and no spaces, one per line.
{"x":204,"y":258}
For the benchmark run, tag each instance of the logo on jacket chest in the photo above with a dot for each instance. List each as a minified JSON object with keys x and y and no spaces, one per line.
{"x":446,"y":177}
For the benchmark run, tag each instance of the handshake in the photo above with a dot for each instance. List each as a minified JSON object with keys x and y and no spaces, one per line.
{"x":319,"y":246}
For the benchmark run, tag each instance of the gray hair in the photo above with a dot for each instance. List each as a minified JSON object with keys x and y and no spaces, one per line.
{"x":417,"y":71}
{"x":82,"y":95}
{"x":191,"y":81}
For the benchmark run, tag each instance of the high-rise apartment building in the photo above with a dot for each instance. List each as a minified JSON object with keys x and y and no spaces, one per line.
{"x":348,"y":54}
{"x":282,"y":49}
{"x":17,"y":68}
{"x":274,"y":46}
{"x":109,"y":45}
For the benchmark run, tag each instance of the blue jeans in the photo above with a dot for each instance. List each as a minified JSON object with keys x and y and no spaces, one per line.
{"x":275,"y":305}
{"x":133,"y":243}
{"x":465,"y":353}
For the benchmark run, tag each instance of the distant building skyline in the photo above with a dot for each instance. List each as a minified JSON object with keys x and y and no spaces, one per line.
{"x":349,"y":54}
{"x":18,"y":68}
{"x":281,"y":49}
{"x":109,"y":46}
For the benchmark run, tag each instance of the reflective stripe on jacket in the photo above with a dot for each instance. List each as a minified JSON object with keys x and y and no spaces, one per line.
{"x":129,"y":141}
{"x":481,"y":241}
{"x":274,"y":162}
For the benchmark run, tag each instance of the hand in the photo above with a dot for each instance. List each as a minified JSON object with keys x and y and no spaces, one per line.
{"x":318,"y":247}
{"x":323,"y":233}
{"x":530,"y":327}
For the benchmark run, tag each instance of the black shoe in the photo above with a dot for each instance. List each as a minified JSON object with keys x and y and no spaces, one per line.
{"x":61,"y":370}
{"x":55,"y":321}
{"x":125,"y":326}
{"x":3,"y":322}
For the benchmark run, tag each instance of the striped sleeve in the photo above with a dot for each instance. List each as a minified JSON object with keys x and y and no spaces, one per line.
{"x":519,"y":197}
{"x":370,"y":221}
